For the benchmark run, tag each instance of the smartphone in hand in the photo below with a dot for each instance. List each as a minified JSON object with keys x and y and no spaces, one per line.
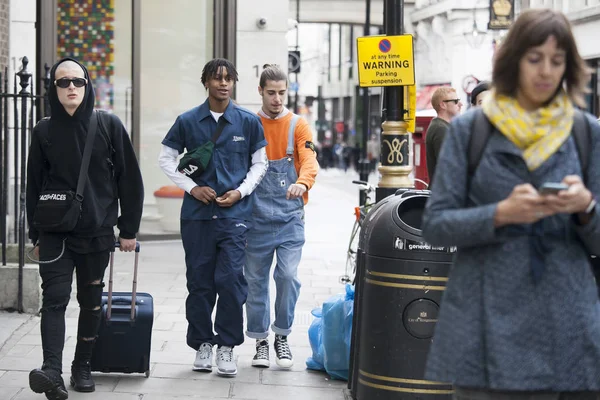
{"x":552,"y":188}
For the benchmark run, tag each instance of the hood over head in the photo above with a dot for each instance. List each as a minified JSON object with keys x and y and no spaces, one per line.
{"x":85,"y":109}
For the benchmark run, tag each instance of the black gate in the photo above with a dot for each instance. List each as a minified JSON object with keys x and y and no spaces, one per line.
{"x":19,"y":111}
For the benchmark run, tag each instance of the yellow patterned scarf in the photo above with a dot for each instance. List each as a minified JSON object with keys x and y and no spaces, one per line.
{"x":539,"y":133}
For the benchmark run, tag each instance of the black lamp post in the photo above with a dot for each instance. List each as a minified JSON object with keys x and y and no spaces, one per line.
{"x":395,"y":166}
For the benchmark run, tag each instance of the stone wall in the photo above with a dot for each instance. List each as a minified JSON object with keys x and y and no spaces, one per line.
{"x":4,"y":31}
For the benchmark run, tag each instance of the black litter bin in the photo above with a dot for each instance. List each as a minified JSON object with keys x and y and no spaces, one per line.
{"x":400,"y":281}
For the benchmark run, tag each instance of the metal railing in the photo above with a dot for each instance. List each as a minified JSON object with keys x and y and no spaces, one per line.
{"x":19,"y":110}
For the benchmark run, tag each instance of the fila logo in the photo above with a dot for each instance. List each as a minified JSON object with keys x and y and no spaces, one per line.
{"x":53,"y":196}
{"x":239,"y":138}
{"x":189,"y":170}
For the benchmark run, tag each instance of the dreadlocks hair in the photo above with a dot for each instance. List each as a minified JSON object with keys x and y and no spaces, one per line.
{"x":212,"y":68}
{"x":272,"y":72}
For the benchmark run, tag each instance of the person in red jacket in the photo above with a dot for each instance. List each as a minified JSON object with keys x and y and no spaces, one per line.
{"x":278,"y":220}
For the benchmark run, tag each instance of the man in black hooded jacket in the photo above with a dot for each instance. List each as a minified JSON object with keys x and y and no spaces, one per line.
{"x":114,"y":177}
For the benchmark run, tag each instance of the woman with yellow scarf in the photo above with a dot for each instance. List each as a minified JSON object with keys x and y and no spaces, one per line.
{"x":520,"y":317}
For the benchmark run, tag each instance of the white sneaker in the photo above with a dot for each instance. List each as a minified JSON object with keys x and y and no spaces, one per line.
{"x":225,"y":363}
{"x":261,"y":359}
{"x":283,"y":354}
{"x":203,"y":360}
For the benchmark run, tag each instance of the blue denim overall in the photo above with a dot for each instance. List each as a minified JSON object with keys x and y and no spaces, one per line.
{"x":278,"y":227}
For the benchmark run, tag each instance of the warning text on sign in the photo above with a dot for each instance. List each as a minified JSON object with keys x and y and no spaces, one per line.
{"x":386,"y":61}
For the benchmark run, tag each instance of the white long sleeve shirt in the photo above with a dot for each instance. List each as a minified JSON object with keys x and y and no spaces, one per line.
{"x":167,"y":160}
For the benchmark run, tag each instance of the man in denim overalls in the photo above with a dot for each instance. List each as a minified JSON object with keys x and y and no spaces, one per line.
{"x":278,"y":220}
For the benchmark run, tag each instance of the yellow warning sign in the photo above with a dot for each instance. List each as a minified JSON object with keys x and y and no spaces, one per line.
{"x":386,"y":61}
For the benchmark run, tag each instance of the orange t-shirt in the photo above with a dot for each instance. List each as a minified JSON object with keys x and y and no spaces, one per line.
{"x":305,"y":159}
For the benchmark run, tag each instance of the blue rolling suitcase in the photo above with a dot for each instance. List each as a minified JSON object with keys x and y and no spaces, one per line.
{"x":123,"y":343}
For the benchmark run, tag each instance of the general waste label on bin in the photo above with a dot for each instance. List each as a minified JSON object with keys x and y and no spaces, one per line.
{"x":386,"y":61}
{"x":413,"y":245}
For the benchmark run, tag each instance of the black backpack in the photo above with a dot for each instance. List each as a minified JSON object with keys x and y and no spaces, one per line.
{"x":482,"y":129}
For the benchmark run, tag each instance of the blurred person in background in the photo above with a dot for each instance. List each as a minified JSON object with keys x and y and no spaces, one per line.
{"x":447,"y":105}
{"x":479,"y":93}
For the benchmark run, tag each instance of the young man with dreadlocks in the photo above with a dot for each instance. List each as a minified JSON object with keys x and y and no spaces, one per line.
{"x":214,"y":213}
{"x":278,"y":220}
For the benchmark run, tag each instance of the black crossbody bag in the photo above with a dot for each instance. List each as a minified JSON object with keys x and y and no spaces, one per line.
{"x":60,"y":210}
{"x":195,"y":162}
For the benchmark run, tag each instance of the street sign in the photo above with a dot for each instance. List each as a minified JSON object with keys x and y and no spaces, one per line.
{"x":294,"y":61}
{"x":410,"y":101}
{"x":502,"y":13}
{"x":386,"y":61}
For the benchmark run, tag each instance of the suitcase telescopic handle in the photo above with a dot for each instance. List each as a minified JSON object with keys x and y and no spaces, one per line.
{"x":110,"y":279}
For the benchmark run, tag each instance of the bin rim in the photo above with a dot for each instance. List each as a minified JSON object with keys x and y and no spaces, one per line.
{"x":396,"y":218}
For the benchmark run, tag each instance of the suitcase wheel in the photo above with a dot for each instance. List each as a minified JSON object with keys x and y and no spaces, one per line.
{"x":147,"y":374}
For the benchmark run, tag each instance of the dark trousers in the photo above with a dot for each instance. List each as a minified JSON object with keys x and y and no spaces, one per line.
{"x":215,"y":253}
{"x":56,"y":292}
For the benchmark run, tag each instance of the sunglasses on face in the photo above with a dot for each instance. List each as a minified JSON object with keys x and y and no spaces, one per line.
{"x":455,"y":101}
{"x":66,"y":82}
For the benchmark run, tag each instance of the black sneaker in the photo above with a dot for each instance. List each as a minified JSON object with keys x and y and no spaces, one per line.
{"x":81,"y":377}
{"x":261,"y":359}
{"x":283,"y":353}
{"x":49,"y":382}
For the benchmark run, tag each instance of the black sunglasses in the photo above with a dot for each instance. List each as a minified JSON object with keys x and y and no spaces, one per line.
{"x":66,"y":82}
{"x":451,"y":100}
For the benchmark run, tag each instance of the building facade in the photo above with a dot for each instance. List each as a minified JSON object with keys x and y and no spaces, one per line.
{"x":452,"y":46}
{"x":4,"y":31}
{"x":146,"y":58}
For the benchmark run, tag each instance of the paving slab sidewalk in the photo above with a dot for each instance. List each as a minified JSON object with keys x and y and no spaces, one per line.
{"x":329,"y":218}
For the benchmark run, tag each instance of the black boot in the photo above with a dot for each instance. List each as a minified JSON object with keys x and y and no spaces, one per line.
{"x":81,"y":371}
{"x":49,"y":382}
{"x":81,"y":376}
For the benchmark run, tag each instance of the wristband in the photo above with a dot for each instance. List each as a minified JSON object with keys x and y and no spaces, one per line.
{"x":591,"y":207}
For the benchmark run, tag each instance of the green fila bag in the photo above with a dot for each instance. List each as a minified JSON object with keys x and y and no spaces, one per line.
{"x":194,"y":162}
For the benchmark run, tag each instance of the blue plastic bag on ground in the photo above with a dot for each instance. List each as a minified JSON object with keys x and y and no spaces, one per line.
{"x":337,"y":333}
{"x":315,"y":337}
{"x":330,"y":335}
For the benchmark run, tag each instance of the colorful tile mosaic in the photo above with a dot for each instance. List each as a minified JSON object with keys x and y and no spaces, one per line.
{"x":86,"y":33}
